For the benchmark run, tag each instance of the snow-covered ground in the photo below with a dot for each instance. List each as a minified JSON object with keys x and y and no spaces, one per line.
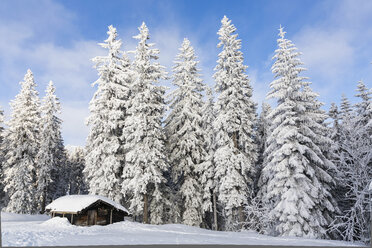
{"x":40,"y":230}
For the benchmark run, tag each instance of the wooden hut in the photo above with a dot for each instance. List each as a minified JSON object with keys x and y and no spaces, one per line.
{"x":87,"y":210}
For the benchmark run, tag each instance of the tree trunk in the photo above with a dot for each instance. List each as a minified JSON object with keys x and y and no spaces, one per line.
{"x":145,"y":209}
{"x":0,"y":232}
{"x":240,"y":208}
{"x":235,"y":139}
{"x":43,"y":201}
{"x":215,"y":226}
{"x":241,"y":217}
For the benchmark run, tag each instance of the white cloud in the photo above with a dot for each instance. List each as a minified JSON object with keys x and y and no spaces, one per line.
{"x":335,"y":48}
{"x":70,"y":68}
{"x":74,"y":115}
{"x":326,"y":53}
{"x":29,"y":41}
{"x":72,"y":72}
{"x":260,"y":84}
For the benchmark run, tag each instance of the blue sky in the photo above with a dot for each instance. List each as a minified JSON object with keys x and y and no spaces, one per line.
{"x":57,"y":39}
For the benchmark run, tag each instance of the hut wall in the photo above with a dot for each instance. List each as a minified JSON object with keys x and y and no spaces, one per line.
{"x":117,"y":216}
{"x":81,"y":219}
{"x":103,"y":215}
{"x":97,"y":214}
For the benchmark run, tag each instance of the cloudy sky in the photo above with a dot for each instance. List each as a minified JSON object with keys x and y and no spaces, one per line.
{"x":57,"y":39}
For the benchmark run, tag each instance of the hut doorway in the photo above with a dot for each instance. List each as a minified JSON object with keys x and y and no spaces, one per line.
{"x":92,"y":217}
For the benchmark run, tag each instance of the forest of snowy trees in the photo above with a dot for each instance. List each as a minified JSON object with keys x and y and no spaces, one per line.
{"x":197,"y":155}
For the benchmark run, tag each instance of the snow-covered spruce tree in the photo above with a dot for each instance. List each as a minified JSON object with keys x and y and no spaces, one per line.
{"x":207,"y":169}
{"x":235,"y":151}
{"x":76,"y":163}
{"x":345,"y":108}
{"x":343,"y":114}
{"x":2,"y":152}
{"x":340,"y":188}
{"x":334,"y":113}
{"x":355,"y":159}
{"x":145,"y":155}
{"x":263,"y":126}
{"x":61,"y":175}
{"x":355,"y":162}
{"x":104,"y":149}
{"x":257,"y":217}
{"x":297,"y":169}
{"x":328,"y":207}
{"x":186,"y":135}
{"x":51,"y":155}
{"x":22,"y":142}
{"x":263,"y":132}
{"x":364,"y":108}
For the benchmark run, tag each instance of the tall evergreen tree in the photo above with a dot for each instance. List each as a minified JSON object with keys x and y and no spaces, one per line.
{"x":326,"y":171}
{"x":297,"y":170}
{"x":207,"y":169}
{"x":2,"y":152}
{"x":105,"y":155}
{"x":145,"y":159}
{"x":363,"y":108}
{"x":345,"y":108}
{"x":235,"y":152}
{"x":51,"y":155}
{"x":355,"y":162}
{"x":335,"y":135}
{"x":263,"y":127}
{"x":334,"y":113}
{"x":257,"y":213}
{"x":77,"y":184}
{"x":186,"y":134}
{"x":22,"y":142}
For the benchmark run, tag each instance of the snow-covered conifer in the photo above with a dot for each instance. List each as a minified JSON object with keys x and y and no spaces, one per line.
{"x":326,"y":170}
{"x":335,"y":135}
{"x":235,"y":151}
{"x":186,"y":134}
{"x":355,"y":162}
{"x":76,"y":164}
{"x":364,"y":107}
{"x":22,"y":142}
{"x":345,"y":107}
{"x":2,"y":152}
{"x":104,"y":149}
{"x":263,"y":127}
{"x":297,"y":170}
{"x":335,"y":115}
{"x":207,"y":169}
{"x":145,"y":155}
{"x":257,"y":213}
{"x":51,"y":155}
{"x":345,"y":117}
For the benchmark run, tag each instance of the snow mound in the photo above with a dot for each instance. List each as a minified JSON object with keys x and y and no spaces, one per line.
{"x":76,"y":203}
{"x":59,"y":232}
{"x":56,"y":222}
{"x":12,"y":217}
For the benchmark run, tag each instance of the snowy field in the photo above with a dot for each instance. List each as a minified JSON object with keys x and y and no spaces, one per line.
{"x":40,"y":230}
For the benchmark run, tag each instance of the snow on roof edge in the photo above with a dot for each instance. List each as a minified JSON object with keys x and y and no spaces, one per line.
{"x":77,"y":203}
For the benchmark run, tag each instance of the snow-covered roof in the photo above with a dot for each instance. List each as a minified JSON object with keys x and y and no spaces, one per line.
{"x":76,"y":203}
